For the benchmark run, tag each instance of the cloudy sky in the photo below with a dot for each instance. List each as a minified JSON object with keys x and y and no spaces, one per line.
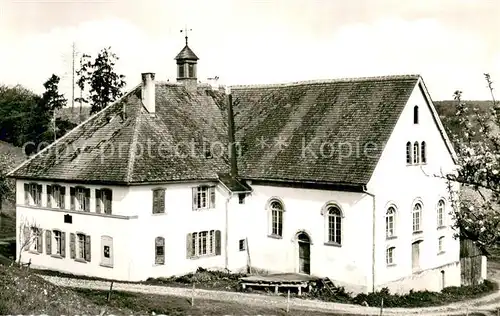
{"x":451,"y":43}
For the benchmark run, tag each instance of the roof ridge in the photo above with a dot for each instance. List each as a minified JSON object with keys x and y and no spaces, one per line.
{"x":320,"y":81}
{"x":133,"y":146}
{"x":73,"y":130}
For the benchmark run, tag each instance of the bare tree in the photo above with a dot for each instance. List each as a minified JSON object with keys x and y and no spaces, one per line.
{"x":30,"y":237}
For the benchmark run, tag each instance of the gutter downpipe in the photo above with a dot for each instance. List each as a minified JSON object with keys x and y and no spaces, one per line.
{"x":373,"y":235}
{"x":226,"y":233}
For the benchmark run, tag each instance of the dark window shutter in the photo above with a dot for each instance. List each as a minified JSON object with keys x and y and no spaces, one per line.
{"x":72,"y":249}
{"x":39,"y":245}
{"x":26,"y":194}
{"x":98,"y":199}
{"x":48,"y":242}
{"x":49,"y":195}
{"x":87,"y":248}
{"x":26,"y":232}
{"x":155,"y":201}
{"x":195,"y":198}
{"x":39,"y":194}
{"x":72,"y":197}
{"x":160,"y":250}
{"x":212,"y":197}
{"x":63,"y":244}
{"x":109,"y":202}
{"x":161,"y":201}
{"x":189,"y":246}
{"x":63,"y":197}
{"x":217,"y":243}
{"x":87,"y":200}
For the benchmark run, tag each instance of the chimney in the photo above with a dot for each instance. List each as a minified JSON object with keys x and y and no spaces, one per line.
{"x":148,"y":91}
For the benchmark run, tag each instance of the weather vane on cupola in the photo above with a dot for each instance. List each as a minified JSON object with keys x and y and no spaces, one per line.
{"x":186,"y":30}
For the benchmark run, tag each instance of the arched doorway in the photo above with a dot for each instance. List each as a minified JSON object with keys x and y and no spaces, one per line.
{"x":304,"y":243}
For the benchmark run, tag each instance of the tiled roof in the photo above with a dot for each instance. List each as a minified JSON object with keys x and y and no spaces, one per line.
{"x":317,"y":131}
{"x":186,"y":53}
{"x":125,"y":144}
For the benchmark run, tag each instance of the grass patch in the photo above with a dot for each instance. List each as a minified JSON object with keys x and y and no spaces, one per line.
{"x":171,"y":305}
{"x":26,"y":293}
{"x":7,"y":225}
{"x":411,"y":299}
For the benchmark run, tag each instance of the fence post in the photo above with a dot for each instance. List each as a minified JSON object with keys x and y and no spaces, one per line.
{"x":288,"y":302}
{"x":381,"y":306}
{"x":192,"y":296}
{"x":110,"y":289}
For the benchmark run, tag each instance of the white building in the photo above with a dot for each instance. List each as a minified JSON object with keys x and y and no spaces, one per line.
{"x":331,"y":178}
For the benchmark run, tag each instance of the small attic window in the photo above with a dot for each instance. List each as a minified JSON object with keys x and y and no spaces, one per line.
{"x":191,"y":71}
{"x":180,"y":71}
{"x":208,"y":154}
{"x":415,"y":114}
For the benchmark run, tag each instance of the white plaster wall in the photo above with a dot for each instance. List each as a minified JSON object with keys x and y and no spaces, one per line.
{"x":178,"y":220}
{"x":349,"y":264}
{"x":393,"y":182}
{"x":88,"y":223}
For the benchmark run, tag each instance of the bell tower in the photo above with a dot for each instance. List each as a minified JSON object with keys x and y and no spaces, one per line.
{"x":186,"y":63}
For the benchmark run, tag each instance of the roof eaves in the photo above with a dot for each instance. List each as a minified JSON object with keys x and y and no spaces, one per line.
{"x":71,"y":131}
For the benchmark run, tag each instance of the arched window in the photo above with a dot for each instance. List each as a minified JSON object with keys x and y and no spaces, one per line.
{"x":159,"y":250}
{"x":417,"y":217}
{"x":440,"y":213}
{"x":415,"y":114}
{"x":416,"y":153}
{"x":423,"y":152}
{"x":408,"y":153}
{"x":334,"y":220}
{"x":390,"y":222}
{"x":276,"y":209}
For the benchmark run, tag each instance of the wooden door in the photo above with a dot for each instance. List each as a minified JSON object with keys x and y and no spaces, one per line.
{"x":304,"y":254}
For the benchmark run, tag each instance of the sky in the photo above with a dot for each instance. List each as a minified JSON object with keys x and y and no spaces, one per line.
{"x":451,"y":43}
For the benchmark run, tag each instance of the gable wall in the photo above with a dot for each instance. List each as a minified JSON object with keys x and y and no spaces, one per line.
{"x":393,"y":182}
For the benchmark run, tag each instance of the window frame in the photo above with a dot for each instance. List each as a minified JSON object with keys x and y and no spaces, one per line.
{"x":276,"y":209}
{"x":390,"y":256}
{"x":423,"y":152}
{"x":107,"y":241}
{"x":440,"y":213}
{"x":83,"y":205}
{"x":441,"y":248}
{"x":206,"y":193}
{"x":80,"y":246}
{"x":417,"y":227}
{"x":390,"y":215}
{"x":57,"y":242}
{"x":58,"y":201}
{"x":203,"y":243}
{"x":33,"y":195}
{"x":181,"y":70}
{"x":416,"y":115}
{"x":334,"y":225}
{"x":416,"y":153}
{"x":104,"y":201}
{"x":159,"y":244}
{"x":158,"y":201}
{"x":409,"y":151}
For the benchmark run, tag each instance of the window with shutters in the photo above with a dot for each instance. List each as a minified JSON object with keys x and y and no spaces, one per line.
{"x":81,"y":245}
{"x":107,"y":251}
{"x":159,"y":250}
{"x":103,"y":201}
{"x":80,"y":199}
{"x":55,"y":196}
{"x":33,"y":194}
{"x":204,"y":243}
{"x":203,"y":197}
{"x":158,"y":201}
{"x":32,"y":239}
{"x":58,"y":243}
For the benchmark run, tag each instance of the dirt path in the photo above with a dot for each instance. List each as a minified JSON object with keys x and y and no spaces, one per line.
{"x":486,"y":305}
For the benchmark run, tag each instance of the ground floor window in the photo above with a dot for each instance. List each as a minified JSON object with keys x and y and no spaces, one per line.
{"x":204,"y":243}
